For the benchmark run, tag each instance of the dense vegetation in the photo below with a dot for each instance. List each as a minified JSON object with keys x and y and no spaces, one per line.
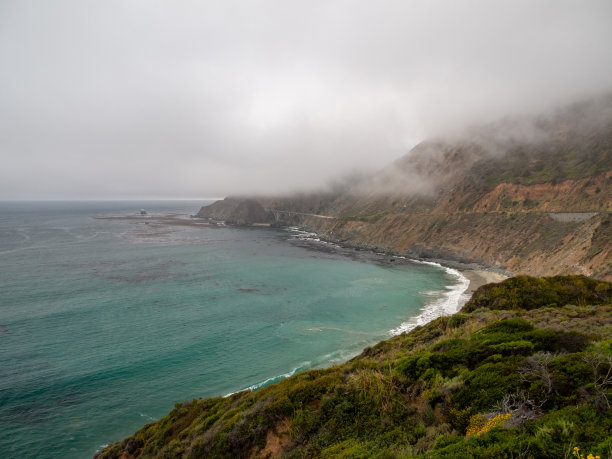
{"x":524,"y":371}
{"x":527,"y":292}
{"x":571,"y":144}
{"x":550,"y":162}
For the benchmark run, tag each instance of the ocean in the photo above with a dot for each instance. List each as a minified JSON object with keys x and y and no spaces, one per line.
{"x":105,"y":323}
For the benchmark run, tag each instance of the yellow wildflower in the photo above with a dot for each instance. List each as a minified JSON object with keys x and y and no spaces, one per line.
{"x":479,"y":426}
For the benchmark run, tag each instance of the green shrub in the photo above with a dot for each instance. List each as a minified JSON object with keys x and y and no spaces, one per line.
{"x":569,"y":373}
{"x":487,"y":384}
{"x":519,"y":347}
{"x":457,"y":320}
{"x":524,"y":292}
{"x":416,"y":365}
{"x":515,"y":325}
{"x":302,"y":392}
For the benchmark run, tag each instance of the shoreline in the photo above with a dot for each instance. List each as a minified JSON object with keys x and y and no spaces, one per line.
{"x":476,"y":274}
{"x":469,"y":276}
{"x":474,"y":277}
{"x":479,"y":277}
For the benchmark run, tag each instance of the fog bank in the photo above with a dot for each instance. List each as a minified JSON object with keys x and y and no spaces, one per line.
{"x":130,"y":99}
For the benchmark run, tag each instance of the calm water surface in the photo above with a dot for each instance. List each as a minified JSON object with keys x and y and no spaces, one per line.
{"x":105,"y":324}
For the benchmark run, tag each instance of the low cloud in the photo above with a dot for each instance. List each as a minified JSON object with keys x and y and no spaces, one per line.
{"x":125,"y":99}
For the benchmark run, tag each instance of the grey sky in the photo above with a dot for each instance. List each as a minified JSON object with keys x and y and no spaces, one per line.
{"x":179,"y":99}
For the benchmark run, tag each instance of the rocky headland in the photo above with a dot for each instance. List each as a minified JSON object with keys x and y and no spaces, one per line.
{"x":524,"y":370}
{"x":527,"y":196}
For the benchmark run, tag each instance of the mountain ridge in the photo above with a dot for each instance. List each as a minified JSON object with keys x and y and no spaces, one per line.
{"x":524,"y":370}
{"x":496,"y":199}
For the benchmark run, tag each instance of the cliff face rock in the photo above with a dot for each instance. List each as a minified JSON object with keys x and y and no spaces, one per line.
{"x":579,"y":195}
{"x":528,"y":242}
{"x":528,"y":196}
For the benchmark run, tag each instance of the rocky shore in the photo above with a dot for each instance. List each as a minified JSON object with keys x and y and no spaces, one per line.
{"x":476,"y":274}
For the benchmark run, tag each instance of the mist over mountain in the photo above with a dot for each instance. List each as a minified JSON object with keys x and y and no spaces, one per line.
{"x":137,"y":100}
{"x":435,"y":163}
{"x":523,"y":194}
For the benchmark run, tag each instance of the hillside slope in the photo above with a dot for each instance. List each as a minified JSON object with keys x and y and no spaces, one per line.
{"x":524,"y":371}
{"x":528,"y":196}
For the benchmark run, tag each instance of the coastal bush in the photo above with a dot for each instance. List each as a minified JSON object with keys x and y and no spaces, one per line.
{"x":306,"y":390}
{"x":571,"y":341}
{"x":525,"y":292}
{"x":479,"y":425}
{"x":570,"y":372}
{"x":457,"y":319}
{"x":516,"y":325}
{"x":416,"y":365}
{"x":279,"y":408}
{"x":495,"y":444}
{"x":304,"y":423}
{"x":460,"y":418}
{"x":500,"y":343}
{"x":549,"y":437}
{"x":559,"y":430}
{"x":519,"y":347}
{"x":487,"y":384}
{"x":414,"y":395}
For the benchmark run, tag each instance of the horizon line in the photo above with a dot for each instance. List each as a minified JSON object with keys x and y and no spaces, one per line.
{"x":109,"y":199}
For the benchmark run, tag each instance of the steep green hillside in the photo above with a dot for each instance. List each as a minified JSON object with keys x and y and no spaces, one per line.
{"x":524,"y":371}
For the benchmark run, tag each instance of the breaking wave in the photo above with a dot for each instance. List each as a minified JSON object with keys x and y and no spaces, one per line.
{"x":449,"y":302}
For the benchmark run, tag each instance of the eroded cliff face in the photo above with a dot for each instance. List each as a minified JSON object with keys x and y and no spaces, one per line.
{"x":537,"y":204}
{"x":570,"y":195}
{"x":526,"y":242}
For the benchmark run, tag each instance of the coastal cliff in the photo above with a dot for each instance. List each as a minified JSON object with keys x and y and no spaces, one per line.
{"x":524,"y":370}
{"x":527,"y":196}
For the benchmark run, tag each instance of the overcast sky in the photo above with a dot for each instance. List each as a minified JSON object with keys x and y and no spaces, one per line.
{"x":192,"y":99}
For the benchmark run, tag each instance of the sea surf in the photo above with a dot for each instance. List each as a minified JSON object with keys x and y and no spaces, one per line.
{"x":108,"y":316}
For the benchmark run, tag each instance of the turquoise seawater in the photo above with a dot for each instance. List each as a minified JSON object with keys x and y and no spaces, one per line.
{"x":105,"y":324}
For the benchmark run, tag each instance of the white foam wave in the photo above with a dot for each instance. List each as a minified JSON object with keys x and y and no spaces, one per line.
{"x":431,"y":263}
{"x":333,"y":358}
{"x":273,"y":379}
{"x":448,"y":302}
{"x":308,"y":236}
{"x":337,"y":357}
